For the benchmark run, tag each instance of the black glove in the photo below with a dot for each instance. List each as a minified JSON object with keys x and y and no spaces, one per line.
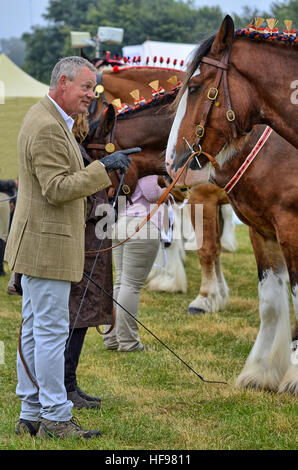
{"x":119,"y":160}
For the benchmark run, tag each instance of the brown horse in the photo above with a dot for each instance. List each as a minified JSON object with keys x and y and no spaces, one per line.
{"x":148,"y":127}
{"x":131,"y":85}
{"x":233,"y":83}
{"x":265,"y":199}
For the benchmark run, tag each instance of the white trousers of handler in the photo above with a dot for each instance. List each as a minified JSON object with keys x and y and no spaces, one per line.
{"x":133,"y":261}
{"x":45,"y":330}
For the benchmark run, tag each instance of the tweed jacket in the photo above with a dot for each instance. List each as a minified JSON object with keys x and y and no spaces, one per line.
{"x":46,"y":238}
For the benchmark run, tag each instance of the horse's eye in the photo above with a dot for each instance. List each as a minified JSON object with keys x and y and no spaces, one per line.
{"x":192,"y":90}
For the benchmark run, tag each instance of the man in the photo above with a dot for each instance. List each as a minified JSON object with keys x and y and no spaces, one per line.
{"x":46,"y":242}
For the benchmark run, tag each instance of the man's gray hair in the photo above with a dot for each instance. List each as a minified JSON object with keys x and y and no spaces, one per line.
{"x":69,"y":66}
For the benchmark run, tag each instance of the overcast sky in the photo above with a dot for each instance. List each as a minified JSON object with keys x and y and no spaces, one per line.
{"x":17,"y":16}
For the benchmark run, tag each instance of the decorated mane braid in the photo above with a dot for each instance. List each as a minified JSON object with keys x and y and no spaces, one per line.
{"x":136,"y":61}
{"x":116,"y":61}
{"x":159,"y":99}
{"x":257,"y":30}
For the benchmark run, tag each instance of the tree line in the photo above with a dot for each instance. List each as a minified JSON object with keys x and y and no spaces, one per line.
{"x":166,"y":20}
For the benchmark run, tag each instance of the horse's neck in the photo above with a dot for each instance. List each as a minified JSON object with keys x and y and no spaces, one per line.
{"x":151,"y":163}
{"x":271,"y":71}
{"x":261,"y":60}
{"x":149,"y":128}
{"x":119,"y":85}
{"x":233,"y":156}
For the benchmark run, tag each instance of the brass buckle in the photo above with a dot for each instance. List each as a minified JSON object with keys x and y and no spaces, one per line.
{"x":230,"y":115}
{"x":125,"y":189}
{"x":200,"y":130}
{"x":98,"y":90}
{"x":215,"y":90}
{"x":110,"y":147}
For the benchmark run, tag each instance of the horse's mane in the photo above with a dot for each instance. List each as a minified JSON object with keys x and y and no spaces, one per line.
{"x":137,"y":68}
{"x":204,"y":48}
{"x":274,"y":38}
{"x":153,"y":103}
{"x":200,"y":52}
{"x":81,"y":127}
{"x":133,"y":112}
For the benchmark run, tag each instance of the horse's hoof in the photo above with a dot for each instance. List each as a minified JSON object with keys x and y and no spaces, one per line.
{"x":195,"y":311}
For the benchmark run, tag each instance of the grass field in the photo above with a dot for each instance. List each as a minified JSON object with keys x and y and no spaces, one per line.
{"x":151,"y":400}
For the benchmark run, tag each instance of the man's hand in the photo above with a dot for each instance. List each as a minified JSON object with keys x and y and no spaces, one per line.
{"x":119,"y":160}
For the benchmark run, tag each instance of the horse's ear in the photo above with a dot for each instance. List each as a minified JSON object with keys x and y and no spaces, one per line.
{"x":224,"y":37}
{"x":85,"y":56}
{"x":109,"y":119}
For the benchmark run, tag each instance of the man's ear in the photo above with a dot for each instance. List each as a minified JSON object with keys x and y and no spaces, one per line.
{"x":224,"y":37}
{"x":63,"y":81}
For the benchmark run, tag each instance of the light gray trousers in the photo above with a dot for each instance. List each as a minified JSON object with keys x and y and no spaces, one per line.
{"x":45,"y":330}
{"x":133,"y":261}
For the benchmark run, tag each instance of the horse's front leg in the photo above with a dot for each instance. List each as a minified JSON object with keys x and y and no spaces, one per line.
{"x":289,"y":243}
{"x":269,"y":358}
{"x":213,"y":292}
{"x":228,"y":237}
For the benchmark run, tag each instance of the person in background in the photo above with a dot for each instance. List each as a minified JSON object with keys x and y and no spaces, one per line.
{"x":8,"y":189}
{"x":133,"y":261}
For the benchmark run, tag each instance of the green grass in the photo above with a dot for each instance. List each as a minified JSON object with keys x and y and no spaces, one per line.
{"x":151,"y":400}
{"x":12,"y":113}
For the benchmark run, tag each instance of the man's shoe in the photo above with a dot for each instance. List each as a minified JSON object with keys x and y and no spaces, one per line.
{"x":64,"y":429}
{"x":25,"y":426}
{"x":79,"y":402}
{"x":87,"y":397}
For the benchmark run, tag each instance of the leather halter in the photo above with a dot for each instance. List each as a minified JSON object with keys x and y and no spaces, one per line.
{"x":105,"y":147}
{"x":125,"y":188}
{"x":212,"y":94}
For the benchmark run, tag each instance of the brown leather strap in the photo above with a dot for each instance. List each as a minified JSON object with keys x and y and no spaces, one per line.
{"x":111,"y":327}
{"x":96,"y":146}
{"x":207,"y":108}
{"x":216,"y":63}
{"x":222,"y":72}
{"x":23,"y":360}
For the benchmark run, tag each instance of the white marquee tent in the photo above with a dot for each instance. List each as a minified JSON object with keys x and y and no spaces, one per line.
{"x":14,"y":82}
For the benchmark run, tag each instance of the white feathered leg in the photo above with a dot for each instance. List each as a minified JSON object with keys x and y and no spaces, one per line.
{"x":269,"y":358}
{"x":290,"y":380}
{"x":228,"y":238}
{"x":170,"y":277}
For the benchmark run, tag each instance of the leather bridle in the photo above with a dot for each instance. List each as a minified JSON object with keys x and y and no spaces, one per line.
{"x":222,"y":73}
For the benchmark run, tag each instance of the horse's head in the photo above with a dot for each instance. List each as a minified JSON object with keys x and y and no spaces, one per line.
{"x":205,"y":121}
{"x":101,"y":142}
{"x":101,"y":134}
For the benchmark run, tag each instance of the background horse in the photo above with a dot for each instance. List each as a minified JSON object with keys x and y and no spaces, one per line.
{"x":233,"y":83}
{"x":143,"y":82}
{"x":216,"y":232}
{"x":148,"y":127}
